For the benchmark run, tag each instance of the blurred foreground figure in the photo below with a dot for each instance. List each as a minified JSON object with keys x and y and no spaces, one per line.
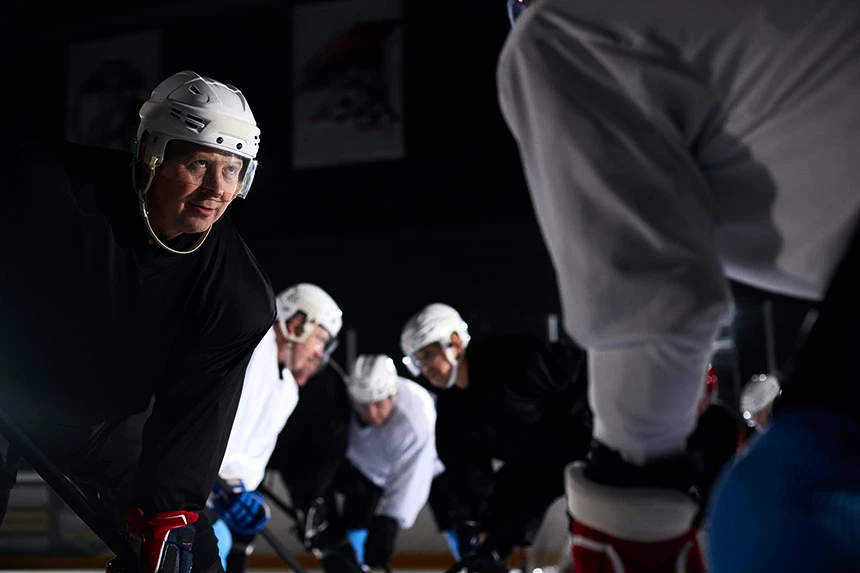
{"x":670,"y":147}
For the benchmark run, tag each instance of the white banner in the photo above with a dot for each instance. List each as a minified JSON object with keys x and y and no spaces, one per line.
{"x":348,"y":104}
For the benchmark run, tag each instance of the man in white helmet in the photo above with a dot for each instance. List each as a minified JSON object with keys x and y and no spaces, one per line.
{"x":296,"y":346}
{"x":124,"y":270}
{"x":504,"y":398}
{"x":670,"y":148}
{"x":391,"y":458}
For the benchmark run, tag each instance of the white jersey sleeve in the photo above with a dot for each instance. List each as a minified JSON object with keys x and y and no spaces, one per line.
{"x":669,"y":145}
{"x":400,"y":455}
{"x":268,"y":398}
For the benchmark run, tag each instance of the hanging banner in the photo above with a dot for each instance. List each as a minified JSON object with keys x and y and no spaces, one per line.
{"x":108,"y":81}
{"x":347,"y":69}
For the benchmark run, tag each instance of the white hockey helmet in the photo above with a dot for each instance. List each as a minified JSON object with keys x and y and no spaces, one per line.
{"x":317,"y":306}
{"x":189,"y":107}
{"x":373,"y":378}
{"x":434,"y":323}
{"x":758,"y":394}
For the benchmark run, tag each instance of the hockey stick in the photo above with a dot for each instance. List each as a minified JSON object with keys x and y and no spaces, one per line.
{"x":279,"y":502}
{"x":85,"y":508}
{"x":266,"y":534}
{"x":338,"y":369}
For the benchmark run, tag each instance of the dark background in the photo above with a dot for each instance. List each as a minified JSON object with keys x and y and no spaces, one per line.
{"x":450,"y":222}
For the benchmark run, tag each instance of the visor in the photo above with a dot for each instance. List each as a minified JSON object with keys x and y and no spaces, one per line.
{"x":229,"y":175}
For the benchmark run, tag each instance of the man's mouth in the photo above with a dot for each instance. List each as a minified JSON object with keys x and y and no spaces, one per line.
{"x":202,"y":208}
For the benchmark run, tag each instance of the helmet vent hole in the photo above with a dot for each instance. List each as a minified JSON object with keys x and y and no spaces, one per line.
{"x":194,"y":122}
{"x":195,"y":90}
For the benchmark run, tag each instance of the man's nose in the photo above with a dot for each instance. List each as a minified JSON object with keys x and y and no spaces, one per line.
{"x":213,"y":184}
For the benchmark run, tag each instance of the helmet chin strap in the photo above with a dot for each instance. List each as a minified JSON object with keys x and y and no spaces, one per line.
{"x":141,"y":200}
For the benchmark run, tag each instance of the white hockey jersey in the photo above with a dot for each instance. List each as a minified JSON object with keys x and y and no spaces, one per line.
{"x":268,"y":398}
{"x":668,"y":145}
{"x":399,"y":456}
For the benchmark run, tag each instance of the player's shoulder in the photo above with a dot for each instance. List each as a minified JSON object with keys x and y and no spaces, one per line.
{"x":416,"y":406}
{"x":78,"y":160}
{"x":243,"y":287}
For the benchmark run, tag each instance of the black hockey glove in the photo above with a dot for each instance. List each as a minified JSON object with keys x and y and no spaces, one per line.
{"x":314,"y":530}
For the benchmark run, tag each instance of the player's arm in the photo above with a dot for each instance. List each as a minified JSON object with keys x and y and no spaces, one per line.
{"x":405,"y":494}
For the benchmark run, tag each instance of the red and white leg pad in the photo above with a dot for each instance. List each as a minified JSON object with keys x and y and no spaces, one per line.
{"x":630,"y":530}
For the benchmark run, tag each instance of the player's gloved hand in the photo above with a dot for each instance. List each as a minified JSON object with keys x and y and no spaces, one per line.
{"x":473,"y":557}
{"x":468,"y":534}
{"x":245,"y":512}
{"x":484,"y":561}
{"x":162,"y":541}
{"x":621,"y":526}
{"x":314,"y":527}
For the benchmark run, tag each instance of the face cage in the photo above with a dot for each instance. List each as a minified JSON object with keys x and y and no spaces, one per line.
{"x":329,"y":349}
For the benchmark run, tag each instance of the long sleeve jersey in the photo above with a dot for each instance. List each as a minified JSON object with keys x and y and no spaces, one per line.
{"x":269,"y":396}
{"x":399,"y":456}
{"x":312,"y":446}
{"x":128,"y":321}
{"x":668,"y":145}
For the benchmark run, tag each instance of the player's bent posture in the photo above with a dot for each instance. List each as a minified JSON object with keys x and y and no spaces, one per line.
{"x":123,"y":270}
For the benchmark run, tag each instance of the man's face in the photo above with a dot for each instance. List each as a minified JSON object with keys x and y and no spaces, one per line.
{"x":375,"y":413}
{"x":434,"y":364}
{"x":308,"y":355}
{"x":192,"y":188}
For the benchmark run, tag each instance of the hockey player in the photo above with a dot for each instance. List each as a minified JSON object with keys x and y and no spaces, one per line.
{"x":124,"y":270}
{"x":507,"y":399}
{"x":392,"y":458}
{"x":670,"y":147}
{"x":309,"y":454}
{"x":299,"y":343}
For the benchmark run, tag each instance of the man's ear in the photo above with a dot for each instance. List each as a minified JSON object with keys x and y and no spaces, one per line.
{"x":457,"y":343}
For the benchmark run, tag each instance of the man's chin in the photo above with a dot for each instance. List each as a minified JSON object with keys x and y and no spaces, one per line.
{"x":301,"y":377}
{"x":195,"y":227}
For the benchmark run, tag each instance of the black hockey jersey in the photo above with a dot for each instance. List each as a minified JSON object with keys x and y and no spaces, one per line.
{"x":96,"y":321}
